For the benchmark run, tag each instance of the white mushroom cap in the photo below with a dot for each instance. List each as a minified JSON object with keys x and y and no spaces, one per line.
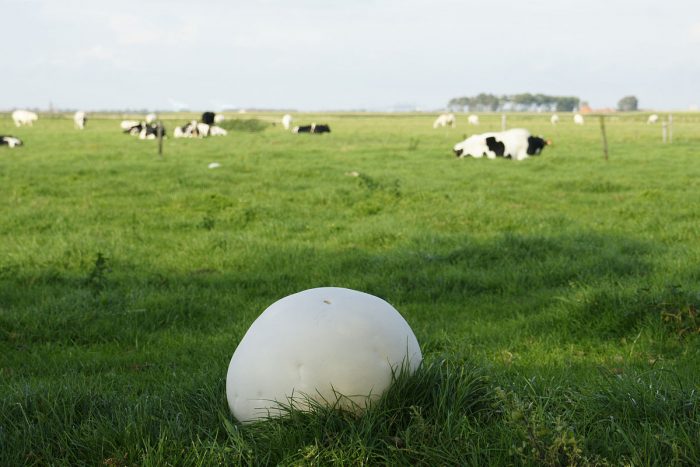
{"x":319,"y":343}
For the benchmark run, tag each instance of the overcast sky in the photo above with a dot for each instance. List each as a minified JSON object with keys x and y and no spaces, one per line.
{"x":353,"y":54}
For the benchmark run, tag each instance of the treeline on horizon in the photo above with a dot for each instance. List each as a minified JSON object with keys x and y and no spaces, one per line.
{"x":524,"y":102}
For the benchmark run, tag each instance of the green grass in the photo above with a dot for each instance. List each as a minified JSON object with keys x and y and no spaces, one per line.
{"x":555,"y":299}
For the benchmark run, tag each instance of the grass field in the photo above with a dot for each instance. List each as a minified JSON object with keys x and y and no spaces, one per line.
{"x":555,"y":299}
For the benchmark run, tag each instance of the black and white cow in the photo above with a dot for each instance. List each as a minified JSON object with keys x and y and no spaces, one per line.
{"x":150,"y":131}
{"x":535,"y":145}
{"x":10,"y":141}
{"x":313,"y":128}
{"x":516,"y":144}
{"x":189,"y":130}
{"x":209,"y":118}
{"x":133,"y":127}
{"x":196,"y":129}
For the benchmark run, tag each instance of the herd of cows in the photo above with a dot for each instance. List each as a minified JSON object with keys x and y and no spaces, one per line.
{"x":516,"y":144}
{"x":150,"y":129}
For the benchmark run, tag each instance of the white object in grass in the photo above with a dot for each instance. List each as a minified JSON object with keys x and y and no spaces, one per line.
{"x":24,"y":117}
{"x":286,"y":121}
{"x":333,"y":345}
{"x":214,"y":165}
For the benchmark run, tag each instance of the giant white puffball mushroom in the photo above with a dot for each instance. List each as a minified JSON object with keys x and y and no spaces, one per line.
{"x":333,"y":345}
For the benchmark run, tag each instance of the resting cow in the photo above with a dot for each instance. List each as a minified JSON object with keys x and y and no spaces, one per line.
{"x":208,"y":118}
{"x":516,"y":144}
{"x":150,"y":131}
{"x":195,"y":129}
{"x":189,"y":130}
{"x":132,"y":127}
{"x":10,"y":141}
{"x":313,"y":128}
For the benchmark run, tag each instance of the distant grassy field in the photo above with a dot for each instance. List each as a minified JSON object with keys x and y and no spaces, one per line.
{"x":555,"y":299}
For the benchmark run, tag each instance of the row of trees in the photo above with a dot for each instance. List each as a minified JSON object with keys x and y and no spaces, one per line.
{"x":524,"y":102}
{"x":628,"y":104}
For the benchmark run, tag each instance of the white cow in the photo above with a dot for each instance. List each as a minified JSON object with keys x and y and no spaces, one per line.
{"x":80,"y":118}
{"x":218,"y":118}
{"x":445,"y":119}
{"x":203,"y":128}
{"x":578,"y":119}
{"x":554,"y":119}
{"x":286,"y":121}
{"x":152,"y":117}
{"x":473,"y":119}
{"x":217,"y":131}
{"x":24,"y":117}
{"x":653,"y":118}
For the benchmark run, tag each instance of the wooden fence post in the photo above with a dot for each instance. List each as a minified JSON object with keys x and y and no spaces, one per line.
{"x":159,"y":133}
{"x":670,"y":128}
{"x":605,"y":138}
{"x":664,"y":132}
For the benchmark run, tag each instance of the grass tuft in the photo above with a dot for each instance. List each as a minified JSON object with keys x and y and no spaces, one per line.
{"x":247,"y":125}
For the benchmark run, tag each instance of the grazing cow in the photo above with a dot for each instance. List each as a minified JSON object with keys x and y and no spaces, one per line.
{"x":80,"y":119}
{"x":313,"y":128}
{"x":653,"y":118}
{"x":445,"y":119}
{"x":554,"y":119}
{"x":286,"y":121}
{"x":24,"y":117}
{"x":578,"y":119}
{"x":10,"y":141}
{"x":473,"y":119}
{"x":150,"y":118}
{"x":208,"y":118}
{"x":150,"y":131}
{"x":516,"y":144}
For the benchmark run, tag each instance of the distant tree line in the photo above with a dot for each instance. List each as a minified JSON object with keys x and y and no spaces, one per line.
{"x":524,"y":102}
{"x":628,"y":104}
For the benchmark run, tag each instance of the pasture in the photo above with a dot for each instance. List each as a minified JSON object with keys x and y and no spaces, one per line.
{"x":555,"y":299}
